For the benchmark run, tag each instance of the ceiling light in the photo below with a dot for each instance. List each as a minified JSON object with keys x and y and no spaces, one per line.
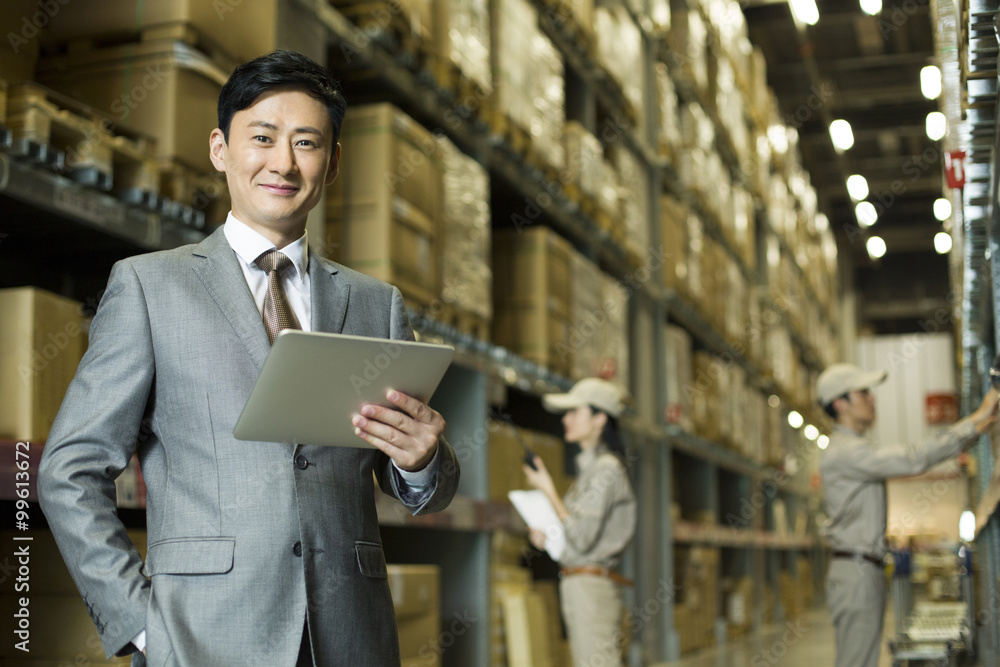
{"x":942,"y":209}
{"x":876,"y":247}
{"x":841,"y":135}
{"x":936,"y":125}
{"x":942,"y":243}
{"x":871,"y":7}
{"x":823,"y":441}
{"x":930,"y":82}
{"x":795,"y":420}
{"x":967,"y":526}
{"x":866,"y":213}
{"x":811,"y":432}
{"x":857,"y":187}
{"x":779,"y":138}
{"x":805,"y":11}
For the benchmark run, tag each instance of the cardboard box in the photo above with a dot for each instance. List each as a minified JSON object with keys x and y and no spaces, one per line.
{"x":532,"y":295}
{"x":462,"y":38}
{"x":42,"y":340}
{"x":243,"y":30}
{"x":162,"y":89}
{"x":466,"y":274}
{"x":383,"y":213}
{"x":21,"y":30}
{"x":526,"y":627}
{"x":587,"y":318}
{"x":613,"y":336}
{"x":416,"y":598}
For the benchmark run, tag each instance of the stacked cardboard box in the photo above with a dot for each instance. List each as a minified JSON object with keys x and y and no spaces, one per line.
{"x":17,"y":60}
{"x":634,"y":193}
{"x":587,"y":318}
{"x":43,"y":341}
{"x":689,"y":41}
{"x":383,"y":214}
{"x":613,"y":336}
{"x":416,"y":598}
{"x":584,"y":155}
{"x":507,"y":445}
{"x":679,"y":375}
{"x":462,"y":39}
{"x":529,"y":84}
{"x":619,"y":50}
{"x":739,"y":603}
{"x":506,"y":581}
{"x":670,"y":131}
{"x":532,"y":295}
{"x":466,"y":278}
{"x":696,"y":571}
{"x":160,"y":88}
{"x":243,"y":30}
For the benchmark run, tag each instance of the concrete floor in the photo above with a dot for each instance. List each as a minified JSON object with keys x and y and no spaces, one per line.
{"x":808,"y":643}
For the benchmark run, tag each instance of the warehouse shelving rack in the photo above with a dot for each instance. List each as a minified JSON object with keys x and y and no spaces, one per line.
{"x":971,"y":104}
{"x":485,"y":375}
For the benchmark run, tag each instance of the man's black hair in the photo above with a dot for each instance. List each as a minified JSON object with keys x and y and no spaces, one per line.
{"x":829,"y":409}
{"x":280,"y":69}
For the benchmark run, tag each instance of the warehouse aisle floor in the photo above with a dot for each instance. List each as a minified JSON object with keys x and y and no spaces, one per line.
{"x":808,"y":643}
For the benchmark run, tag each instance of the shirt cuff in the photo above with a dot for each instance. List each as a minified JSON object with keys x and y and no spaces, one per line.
{"x":420,"y":481}
{"x":139,"y":641}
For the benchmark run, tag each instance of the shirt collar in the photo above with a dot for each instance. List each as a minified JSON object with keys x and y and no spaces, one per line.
{"x":249,"y":244}
{"x":586,"y":457}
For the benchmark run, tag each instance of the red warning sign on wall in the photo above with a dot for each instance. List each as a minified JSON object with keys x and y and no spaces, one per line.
{"x":954,"y":169}
{"x":941,"y":408}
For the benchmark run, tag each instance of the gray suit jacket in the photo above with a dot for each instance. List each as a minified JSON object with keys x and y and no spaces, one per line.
{"x":246,"y":539}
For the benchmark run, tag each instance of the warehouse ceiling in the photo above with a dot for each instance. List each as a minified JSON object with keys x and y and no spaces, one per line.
{"x":866,"y":70}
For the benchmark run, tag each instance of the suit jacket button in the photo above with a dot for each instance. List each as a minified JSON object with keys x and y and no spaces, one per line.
{"x":301,"y":462}
{"x":297,"y":549}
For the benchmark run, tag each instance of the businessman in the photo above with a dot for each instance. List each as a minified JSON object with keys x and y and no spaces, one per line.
{"x":258,"y":553}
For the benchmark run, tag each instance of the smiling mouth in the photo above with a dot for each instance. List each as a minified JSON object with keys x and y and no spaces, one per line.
{"x":280,"y":189}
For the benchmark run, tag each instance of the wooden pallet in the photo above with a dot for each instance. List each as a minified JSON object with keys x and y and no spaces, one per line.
{"x":198,"y":198}
{"x":387,"y":24}
{"x":178,"y":31}
{"x":96,"y":152}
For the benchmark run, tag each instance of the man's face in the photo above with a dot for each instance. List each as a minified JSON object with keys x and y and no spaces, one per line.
{"x":861,"y":407}
{"x":279,"y":157}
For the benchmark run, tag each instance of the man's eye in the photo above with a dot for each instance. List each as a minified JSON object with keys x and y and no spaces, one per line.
{"x":261,"y":137}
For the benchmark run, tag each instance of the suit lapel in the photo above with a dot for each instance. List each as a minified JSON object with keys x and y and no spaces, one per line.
{"x":220,"y":272}
{"x":329,"y":295}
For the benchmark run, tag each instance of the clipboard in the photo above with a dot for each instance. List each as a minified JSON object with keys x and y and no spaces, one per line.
{"x":312,"y":384}
{"x":537,"y":511}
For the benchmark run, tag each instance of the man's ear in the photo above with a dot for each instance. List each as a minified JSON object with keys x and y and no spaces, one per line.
{"x":334,"y":169}
{"x":217,"y":149}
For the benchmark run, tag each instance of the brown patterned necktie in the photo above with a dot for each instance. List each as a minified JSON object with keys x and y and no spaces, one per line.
{"x":278,"y":314}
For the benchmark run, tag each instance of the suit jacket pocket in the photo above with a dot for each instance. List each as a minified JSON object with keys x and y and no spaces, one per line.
{"x":191,"y":555}
{"x":371,"y":560}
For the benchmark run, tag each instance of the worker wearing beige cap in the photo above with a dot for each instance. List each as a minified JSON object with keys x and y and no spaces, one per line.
{"x":853,"y":471}
{"x":598,"y":516}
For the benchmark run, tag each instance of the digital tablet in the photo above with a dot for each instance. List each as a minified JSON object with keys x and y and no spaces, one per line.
{"x":313,"y":383}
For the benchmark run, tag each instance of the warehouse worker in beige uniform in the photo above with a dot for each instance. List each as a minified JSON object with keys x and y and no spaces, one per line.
{"x":598,"y":516}
{"x":853,"y":470}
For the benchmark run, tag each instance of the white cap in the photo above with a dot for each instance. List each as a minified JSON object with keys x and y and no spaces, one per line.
{"x":841,"y":379}
{"x":595,"y":392}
